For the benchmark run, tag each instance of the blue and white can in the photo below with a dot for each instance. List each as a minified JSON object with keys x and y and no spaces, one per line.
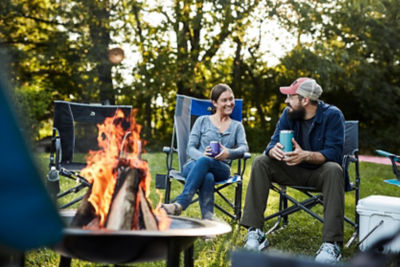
{"x":285,"y":138}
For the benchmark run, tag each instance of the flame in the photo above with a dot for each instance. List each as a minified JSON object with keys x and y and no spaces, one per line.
{"x":163,"y":220}
{"x":117,"y":146}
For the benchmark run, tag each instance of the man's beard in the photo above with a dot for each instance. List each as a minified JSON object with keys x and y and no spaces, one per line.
{"x":297,"y":114}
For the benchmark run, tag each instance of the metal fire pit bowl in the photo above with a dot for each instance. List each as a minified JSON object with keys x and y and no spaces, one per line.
{"x":117,"y":247}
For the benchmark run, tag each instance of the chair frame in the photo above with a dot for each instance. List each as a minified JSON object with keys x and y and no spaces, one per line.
{"x":315,"y":199}
{"x":393,"y":159}
{"x":165,"y":181}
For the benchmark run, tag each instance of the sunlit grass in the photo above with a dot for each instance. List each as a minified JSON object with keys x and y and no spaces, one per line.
{"x":302,"y":236}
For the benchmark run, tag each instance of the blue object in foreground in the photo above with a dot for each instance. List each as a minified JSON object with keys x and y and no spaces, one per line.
{"x":393,"y":182}
{"x":29,"y":218}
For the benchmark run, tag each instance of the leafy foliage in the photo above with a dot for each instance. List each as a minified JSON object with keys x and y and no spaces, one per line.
{"x":59,"y":50}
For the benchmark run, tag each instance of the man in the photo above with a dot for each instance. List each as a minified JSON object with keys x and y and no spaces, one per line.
{"x":315,"y":161}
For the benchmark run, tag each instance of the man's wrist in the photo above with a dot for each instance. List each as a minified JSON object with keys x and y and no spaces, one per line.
{"x":308,"y":156}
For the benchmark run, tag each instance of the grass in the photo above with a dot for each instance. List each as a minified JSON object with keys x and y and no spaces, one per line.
{"x":301,"y":237}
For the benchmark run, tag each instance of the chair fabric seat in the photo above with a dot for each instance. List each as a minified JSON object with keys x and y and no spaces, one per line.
{"x":73,"y":166}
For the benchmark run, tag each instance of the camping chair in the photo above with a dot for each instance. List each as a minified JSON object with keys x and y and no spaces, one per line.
{"x":350,"y":155}
{"x":187,"y":110}
{"x":74,"y":134}
{"x":395,"y":160}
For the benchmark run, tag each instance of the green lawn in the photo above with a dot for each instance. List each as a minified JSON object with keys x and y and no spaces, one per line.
{"x":301,"y":237}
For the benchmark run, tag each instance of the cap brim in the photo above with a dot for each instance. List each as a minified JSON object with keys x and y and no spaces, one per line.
{"x":288,"y":90}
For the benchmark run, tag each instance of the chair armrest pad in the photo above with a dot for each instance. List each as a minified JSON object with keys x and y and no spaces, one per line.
{"x":247,"y":155}
{"x":388,"y":154}
{"x":166,"y":149}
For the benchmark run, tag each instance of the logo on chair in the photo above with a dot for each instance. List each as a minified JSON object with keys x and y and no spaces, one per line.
{"x":92,"y":114}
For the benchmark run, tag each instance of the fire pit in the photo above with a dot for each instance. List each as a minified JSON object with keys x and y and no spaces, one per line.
{"x":115,"y":222}
{"x":123,"y":246}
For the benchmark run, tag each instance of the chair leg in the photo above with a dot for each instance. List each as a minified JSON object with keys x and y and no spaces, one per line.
{"x":356,"y":222}
{"x":12,"y":259}
{"x":282,"y":206}
{"x":238,"y":201}
{"x":275,"y":226}
{"x":167,"y":190}
{"x":284,"y":203}
{"x":65,"y":261}
{"x":353,"y":237}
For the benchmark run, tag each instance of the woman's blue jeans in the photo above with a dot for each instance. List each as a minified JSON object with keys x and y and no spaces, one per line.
{"x":201,"y":175}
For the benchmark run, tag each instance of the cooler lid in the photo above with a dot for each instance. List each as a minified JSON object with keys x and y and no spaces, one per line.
{"x":380,"y":203}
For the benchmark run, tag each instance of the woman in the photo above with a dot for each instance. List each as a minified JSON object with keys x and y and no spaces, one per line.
{"x":202,"y":170}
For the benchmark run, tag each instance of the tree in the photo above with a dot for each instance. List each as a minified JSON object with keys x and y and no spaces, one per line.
{"x":340,"y":44}
{"x":60,"y":48}
{"x":182,"y":53}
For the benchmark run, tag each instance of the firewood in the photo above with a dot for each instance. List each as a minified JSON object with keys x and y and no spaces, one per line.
{"x":93,"y":224}
{"x":146,"y":215}
{"x":124,"y":213}
{"x":122,"y":208}
{"x":85,"y":212}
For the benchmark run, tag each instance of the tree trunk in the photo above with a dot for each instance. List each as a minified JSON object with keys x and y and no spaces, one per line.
{"x":100,"y":34}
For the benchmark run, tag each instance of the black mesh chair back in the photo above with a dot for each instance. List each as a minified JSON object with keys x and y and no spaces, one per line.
{"x":76,"y":125}
{"x":74,"y":135}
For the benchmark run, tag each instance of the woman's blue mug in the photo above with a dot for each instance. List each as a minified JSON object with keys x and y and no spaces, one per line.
{"x":215,"y":148}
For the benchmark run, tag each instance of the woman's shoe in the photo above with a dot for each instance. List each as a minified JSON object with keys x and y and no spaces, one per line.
{"x":172,"y":208}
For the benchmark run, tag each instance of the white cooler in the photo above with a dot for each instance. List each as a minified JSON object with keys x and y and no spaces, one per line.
{"x":382,"y":212}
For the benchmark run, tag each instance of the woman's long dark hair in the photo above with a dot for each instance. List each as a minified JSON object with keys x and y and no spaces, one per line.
{"x":216,"y":93}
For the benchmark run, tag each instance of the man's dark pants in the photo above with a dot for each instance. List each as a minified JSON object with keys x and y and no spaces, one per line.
{"x":328,"y":179}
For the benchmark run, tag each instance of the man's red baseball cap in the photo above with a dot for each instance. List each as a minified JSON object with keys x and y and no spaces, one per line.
{"x":305,"y":87}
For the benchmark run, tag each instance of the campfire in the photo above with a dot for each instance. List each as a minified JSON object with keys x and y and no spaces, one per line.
{"x":120,"y":181}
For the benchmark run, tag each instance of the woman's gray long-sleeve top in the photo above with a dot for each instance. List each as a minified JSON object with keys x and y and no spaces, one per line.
{"x":204,"y":131}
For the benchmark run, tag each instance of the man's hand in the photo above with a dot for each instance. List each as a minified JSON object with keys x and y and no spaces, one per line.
{"x":296,"y":156}
{"x":299,"y":155}
{"x":276,"y":152}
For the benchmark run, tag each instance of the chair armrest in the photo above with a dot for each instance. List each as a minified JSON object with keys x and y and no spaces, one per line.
{"x":169,"y":156}
{"x":242,"y":160}
{"x":247,"y":155}
{"x":353,"y":159}
{"x":393,"y":158}
{"x":388,"y":154}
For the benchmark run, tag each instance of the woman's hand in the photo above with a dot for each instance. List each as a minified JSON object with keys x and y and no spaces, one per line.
{"x":224,"y":154}
{"x":207,"y":152}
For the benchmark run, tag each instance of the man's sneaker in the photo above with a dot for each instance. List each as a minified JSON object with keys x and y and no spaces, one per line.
{"x":172,"y":208}
{"x":255,"y":239}
{"x":328,"y":253}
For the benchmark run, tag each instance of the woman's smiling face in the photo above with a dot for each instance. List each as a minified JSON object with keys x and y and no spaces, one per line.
{"x":225,"y":103}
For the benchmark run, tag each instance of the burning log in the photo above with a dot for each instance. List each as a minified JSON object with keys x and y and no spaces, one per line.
{"x":129,"y":209}
{"x":85,"y":213}
{"x":123,"y":205}
{"x":147,"y":220}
